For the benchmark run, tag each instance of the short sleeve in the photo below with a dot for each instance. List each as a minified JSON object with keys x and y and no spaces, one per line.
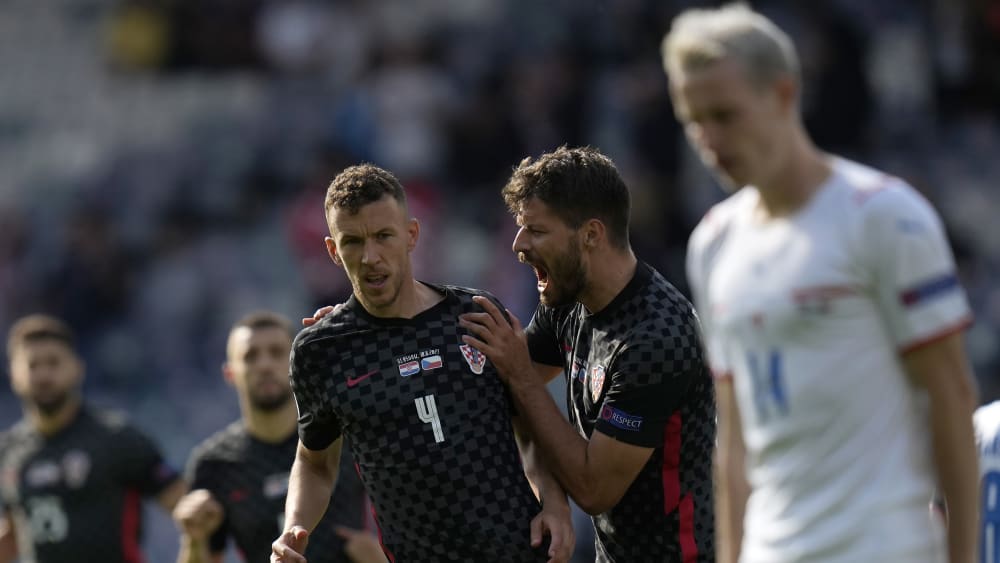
{"x":143,"y":466}
{"x":700,"y":256}
{"x":912,"y":268}
{"x":200,"y":474}
{"x":543,"y":337}
{"x":318,"y":426}
{"x":649,"y":381}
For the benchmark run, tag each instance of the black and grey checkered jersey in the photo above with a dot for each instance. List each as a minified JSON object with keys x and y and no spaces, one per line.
{"x":429,"y":423}
{"x":249,"y":478}
{"x":77,"y":495}
{"x":636,"y":372}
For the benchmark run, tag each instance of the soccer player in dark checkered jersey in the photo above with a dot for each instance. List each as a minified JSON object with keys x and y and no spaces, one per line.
{"x":428,"y":421}
{"x":72,"y":478}
{"x":637,"y":453}
{"x":239,"y":475}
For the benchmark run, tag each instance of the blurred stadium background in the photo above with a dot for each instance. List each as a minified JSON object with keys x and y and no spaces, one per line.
{"x":163,"y":162}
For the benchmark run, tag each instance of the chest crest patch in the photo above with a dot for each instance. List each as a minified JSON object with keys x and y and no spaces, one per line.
{"x":596,"y":381}
{"x":474,"y":358}
{"x":76,"y":468}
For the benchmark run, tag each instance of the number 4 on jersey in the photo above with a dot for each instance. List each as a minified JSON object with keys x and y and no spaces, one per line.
{"x":427,"y":411}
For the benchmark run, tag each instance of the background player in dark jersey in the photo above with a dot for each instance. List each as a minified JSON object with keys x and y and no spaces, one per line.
{"x":639,"y":391}
{"x":71,"y":478}
{"x":428,"y":423}
{"x":239,"y":475}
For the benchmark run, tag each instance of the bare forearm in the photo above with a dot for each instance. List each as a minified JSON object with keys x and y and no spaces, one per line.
{"x":942,"y":370}
{"x":561,"y":449}
{"x":8,"y":540}
{"x":956,"y":461}
{"x":309,"y":489}
{"x":730,"y":506}
{"x":546,"y":486}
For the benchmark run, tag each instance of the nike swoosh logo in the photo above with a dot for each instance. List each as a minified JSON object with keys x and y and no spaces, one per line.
{"x":352,"y":381}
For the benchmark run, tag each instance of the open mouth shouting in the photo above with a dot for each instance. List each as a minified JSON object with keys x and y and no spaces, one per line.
{"x":542,"y":276}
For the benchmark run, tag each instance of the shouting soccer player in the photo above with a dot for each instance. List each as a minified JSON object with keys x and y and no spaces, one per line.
{"x":636,"y":454}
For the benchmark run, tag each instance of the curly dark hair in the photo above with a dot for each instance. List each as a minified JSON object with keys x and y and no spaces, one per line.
{"x":359,"y":185}
{"x":577,"y":184}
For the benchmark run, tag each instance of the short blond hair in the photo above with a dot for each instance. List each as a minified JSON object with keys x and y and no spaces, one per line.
{"x":701,"y":37}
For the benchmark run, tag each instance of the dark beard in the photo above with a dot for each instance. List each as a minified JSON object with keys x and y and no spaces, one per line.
{"x":571,"y":275}
{"x":271,"y":404}
{"x":52,"y":405}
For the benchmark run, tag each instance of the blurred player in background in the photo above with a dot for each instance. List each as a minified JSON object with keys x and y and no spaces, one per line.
{"x":72,"y":478}
{"x":428,"y":422}
{"x":987,"y":425}
{"x":239,"y":476}
{"x":637,"y":453}
{"x":833,"y":318}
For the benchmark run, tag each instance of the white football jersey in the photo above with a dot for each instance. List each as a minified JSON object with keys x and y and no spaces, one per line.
{"x":808,"y":314}
{"x":987,"y":423}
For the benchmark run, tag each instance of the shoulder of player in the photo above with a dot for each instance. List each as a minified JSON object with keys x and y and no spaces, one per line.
{"x":987,"y":416}
{"x":664,"y":303}
{"x":340,"y":320}
{"x":113,"y":421}
{"x":465,"y":295}
{"x":868,"y":192}
{"x":18,"y":431}
{"x":715,"y":222}
{"x":221,"y":444}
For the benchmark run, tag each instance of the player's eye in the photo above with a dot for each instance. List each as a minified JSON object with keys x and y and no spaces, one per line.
{"x":383,"y":236}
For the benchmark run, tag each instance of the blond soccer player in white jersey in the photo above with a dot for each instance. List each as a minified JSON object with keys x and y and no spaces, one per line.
{"x":833,"y":320}
{"x":987,"y":424}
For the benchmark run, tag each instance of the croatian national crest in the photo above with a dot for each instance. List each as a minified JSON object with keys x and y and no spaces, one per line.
{"x":473,"y":357}
{"x":596,"y":382}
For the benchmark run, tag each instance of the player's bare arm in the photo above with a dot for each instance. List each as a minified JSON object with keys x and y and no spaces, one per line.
{"x":595,"y":473}
{"x":942,"y":369}
{"x":555,"y":519}
{"x":170,"y":496}
{"x":310,"y":484}
{"x":197,"y":515}
{"x":8,"y":539}
{"x":732,"y":488}
{"x":361,"y":546}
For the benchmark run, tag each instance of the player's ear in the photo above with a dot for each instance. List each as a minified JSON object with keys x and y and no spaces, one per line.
{"x":227,"y":373}
{"x":593,"y":232}
{"x":413,"y":232}
{"x":331,"y":249}
{"x":787,"y":89}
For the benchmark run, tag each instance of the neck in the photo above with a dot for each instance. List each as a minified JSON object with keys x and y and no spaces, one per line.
{"x":610,"y":272}
{"x":414,"y":298}
{"x":795,"y":182}
{"x":49,"y":424}
{"x":270,"y":426}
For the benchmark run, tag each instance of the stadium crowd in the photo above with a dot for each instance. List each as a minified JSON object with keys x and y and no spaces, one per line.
{"x":164,"y":161}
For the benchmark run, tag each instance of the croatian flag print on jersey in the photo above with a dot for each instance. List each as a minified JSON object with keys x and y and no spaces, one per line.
{"x":808,"y":315}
